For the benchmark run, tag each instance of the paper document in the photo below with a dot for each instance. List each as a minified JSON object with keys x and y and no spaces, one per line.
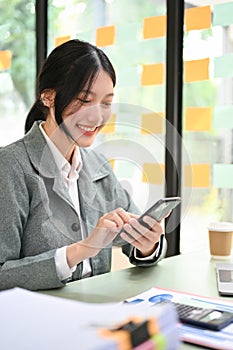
{"x":33,"y":321}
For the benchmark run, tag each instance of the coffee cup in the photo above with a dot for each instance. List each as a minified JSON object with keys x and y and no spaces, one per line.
{"x":220,"y":239}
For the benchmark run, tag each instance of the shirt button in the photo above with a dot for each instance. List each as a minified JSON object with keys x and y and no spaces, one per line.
{"x":75,"y":226}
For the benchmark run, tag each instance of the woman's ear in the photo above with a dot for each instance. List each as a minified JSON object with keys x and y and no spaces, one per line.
{"x":47,"y":98}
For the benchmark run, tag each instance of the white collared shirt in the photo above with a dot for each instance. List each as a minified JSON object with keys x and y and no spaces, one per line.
{"x":70,"y":174}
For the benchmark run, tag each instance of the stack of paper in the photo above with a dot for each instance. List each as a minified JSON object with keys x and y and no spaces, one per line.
{"x":32,"y":321}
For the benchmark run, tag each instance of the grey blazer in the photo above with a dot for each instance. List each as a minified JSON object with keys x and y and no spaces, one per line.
{"x":37,"y":215}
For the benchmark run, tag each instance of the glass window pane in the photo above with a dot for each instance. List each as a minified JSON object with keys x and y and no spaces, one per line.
{"x":207,"y":107}
{"x":17,"y":66}
{"x":133,"y":34}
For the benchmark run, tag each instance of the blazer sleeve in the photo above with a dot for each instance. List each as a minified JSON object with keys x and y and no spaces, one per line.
{"x":33,"y":272}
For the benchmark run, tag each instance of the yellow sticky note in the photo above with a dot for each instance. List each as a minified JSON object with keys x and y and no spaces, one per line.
{"x":153,"y":173}
{"x":105,"y":35}
{"x":197,"y":175}
{"x":61,"y":40}
{"x":152,"y":74}
{"x":110,"y":126}
{"x":152,"y":123}
{"x":198,"y":119}
{"x":5,"y":59}
{"x":154,"y":27}
{"x":196,"y":70}
{"x":197,"y":18}
{"x":112,"y":162}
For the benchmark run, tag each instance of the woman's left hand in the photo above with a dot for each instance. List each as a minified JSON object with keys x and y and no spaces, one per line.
{"x":142,"y":238}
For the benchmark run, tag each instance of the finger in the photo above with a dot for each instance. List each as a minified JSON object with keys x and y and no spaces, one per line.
{"x":131,"y":233}
{"x":127,"y":237}
{"x":139,"y":227}
{"x":135,"y":216}
{"x":114,"y":216}
{"x":155,"y":226}
{"x":123,"y":214}
{"x":110,"y":226}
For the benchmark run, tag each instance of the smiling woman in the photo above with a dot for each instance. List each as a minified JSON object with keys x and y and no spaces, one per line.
{"x":66,"y":206}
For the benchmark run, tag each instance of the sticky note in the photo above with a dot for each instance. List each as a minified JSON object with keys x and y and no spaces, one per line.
{"x":105,"y":36}
{"x":223,"y":175}
{"x":61,"y":39}
{"x":154,"y":27}
{"x":222,"y":117}
{"x":197,"y":175}
{"x":110,"y":126}
{"x":152,"y":74}
{"x":196,"y":70}
{"x":112,"y":163}
{"x":223,"y":66}
{"x":198,"y":119}
{"x":153,"y":173}
{"x":222,"y":14}
{"x":197,"y":18}
{"x":5,"y":59}
{"x":152,"y":123}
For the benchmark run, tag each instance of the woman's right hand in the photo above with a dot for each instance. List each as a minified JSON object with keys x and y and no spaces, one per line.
{"x":103,"y":234}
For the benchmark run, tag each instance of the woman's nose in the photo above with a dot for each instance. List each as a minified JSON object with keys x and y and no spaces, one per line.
{"x":95,"y":114}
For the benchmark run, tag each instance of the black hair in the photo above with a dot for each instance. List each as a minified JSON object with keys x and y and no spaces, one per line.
{"x":67,"y":70}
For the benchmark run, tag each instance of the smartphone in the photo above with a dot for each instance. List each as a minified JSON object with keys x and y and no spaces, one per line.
{"x":224,"y":272}
{"x":160,"y":209}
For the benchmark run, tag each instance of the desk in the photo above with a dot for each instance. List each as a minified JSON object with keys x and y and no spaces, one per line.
{"x":192,"y":273}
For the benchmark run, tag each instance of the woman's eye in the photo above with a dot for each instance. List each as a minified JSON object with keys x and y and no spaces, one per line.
{"x":84,"y":101}
{"x":106,"y":104}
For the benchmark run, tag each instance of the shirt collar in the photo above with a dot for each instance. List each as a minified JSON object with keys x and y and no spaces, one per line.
{"x":69,"y":171}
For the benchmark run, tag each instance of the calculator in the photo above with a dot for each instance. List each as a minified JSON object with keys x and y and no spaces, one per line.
{"x":201,"y":317}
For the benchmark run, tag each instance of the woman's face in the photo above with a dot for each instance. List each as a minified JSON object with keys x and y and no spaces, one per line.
{"x":86,"y":116}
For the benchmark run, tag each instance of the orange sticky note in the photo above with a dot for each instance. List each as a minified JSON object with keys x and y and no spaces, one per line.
{"x":152,"y":74}
{"x":152,"y":123}
{"x":197,"y":18}
{"x":198,"y":119}
{"x":5,"y":59}
{"x":196,"y":70}
{"x":154,"y":27}
{"x":110,"y":126}
{"x":61,"y":39}
{"x":105,"y":36}
{"x":197,"y":175}
{"x":153,"y":173}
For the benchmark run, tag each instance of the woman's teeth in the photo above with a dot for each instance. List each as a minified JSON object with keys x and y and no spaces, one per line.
{"x":85,"y":128}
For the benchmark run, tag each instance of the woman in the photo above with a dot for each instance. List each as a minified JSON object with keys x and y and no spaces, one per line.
{"x":61,"y":206}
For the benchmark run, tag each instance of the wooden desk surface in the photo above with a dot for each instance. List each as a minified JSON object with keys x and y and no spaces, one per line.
{"x":192,"y":273}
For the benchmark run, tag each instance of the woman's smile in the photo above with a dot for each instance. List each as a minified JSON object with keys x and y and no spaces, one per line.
{"x":88,"y":130}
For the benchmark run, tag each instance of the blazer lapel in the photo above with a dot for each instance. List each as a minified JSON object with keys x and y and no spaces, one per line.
{"x":43,"y":161}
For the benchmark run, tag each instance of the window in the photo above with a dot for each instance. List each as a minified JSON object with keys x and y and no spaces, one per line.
{"x":17,"y":67}
{"x":207,"y":118}
{"x":134,"y":38}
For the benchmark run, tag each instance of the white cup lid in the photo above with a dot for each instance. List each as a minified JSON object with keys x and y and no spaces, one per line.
{"x":221,"y":226}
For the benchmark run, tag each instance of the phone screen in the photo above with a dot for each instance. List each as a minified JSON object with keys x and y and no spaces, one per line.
{"x":161,"y":208}
{"x":225,"y":278}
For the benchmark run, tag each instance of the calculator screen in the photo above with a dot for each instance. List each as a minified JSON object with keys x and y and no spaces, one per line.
{"x":211,"y":316}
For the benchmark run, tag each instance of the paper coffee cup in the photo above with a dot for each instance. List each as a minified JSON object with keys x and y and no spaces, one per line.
{"x":220,"y":239}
